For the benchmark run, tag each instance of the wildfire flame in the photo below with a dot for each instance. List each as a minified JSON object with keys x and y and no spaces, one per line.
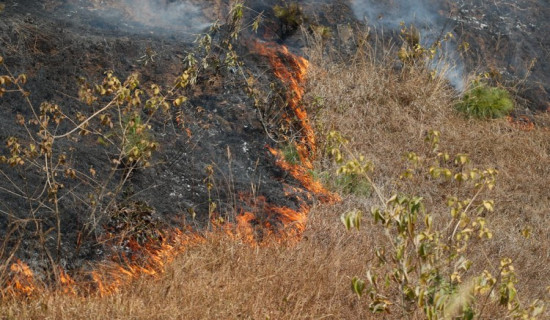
{"x":522,"y":123}
{"x":151,"y":259}
{"x":293,"y":75}
{"x":293,"y":222}
{"x":21,"y":281}
{"x":291,"y":70}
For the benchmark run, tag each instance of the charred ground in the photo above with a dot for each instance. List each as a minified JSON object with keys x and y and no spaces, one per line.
{"x":59,"y":44}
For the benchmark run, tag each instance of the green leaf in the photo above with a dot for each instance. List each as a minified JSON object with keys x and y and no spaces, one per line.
{"x":357,"y":286}
{"x":352,"y":219}
{"x":346,"y":221}
{"x":468,"y":314}
{"x":421,"y":301}
{"x":462,"y":159}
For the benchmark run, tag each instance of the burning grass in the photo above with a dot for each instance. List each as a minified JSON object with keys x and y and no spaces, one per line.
{"x":226,"y":279}
{"x":385,"y":114}
{"x":266,"y":223}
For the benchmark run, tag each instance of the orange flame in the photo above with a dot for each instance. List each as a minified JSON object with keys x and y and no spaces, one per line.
{"x":293,"y":221}
{"x":108,"y":278}
{"x":522,"y":123}
{"x":68,"y":285}
{"x":21,"y":281}
{"x":293,"y":75}
{"x":291,"y":70}
{"x":302,"y":174}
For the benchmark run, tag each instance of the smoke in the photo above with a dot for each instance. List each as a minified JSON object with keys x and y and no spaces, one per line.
{"x":140,"y":15}
{"x":428,"y":17}
{"x":389,"y":14}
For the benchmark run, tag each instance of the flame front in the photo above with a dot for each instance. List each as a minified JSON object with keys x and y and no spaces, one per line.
{"x":21,"y":280}
{"x":293,"y":75}
{"x":153,"y":258}
{"x":291,"y":70}
{"x":290,"y":223}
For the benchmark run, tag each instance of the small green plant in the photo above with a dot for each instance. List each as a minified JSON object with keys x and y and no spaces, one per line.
{"x":349,"y":176}
{"x":291,"y":154}
{"x":485,"y":102}
{"x":351,"y":184}
{"x":323,"y":33}
{"x":136,"y":141}
{"x":413,"y":52}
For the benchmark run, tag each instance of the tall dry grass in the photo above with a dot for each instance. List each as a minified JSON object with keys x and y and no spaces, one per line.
{"x":386,"y":112}
{"x":225,"y":279}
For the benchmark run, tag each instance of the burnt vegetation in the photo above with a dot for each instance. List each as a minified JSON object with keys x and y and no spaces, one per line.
{"x":283,"y":160}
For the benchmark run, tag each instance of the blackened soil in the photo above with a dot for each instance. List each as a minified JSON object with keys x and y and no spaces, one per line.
{"x":55,"y":44}
{"x":510,"y":40}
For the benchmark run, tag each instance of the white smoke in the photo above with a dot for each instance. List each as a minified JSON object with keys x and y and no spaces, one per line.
{"x":177,"y":15}
{"x":427,"y":16}
{"x":166,"y":14}
{"x":390,"y":13}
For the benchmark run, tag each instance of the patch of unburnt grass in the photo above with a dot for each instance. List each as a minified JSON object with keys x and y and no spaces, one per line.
{"x":386,"y":114}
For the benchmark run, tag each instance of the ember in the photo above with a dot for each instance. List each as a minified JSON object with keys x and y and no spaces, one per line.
{"x":522,"y":123}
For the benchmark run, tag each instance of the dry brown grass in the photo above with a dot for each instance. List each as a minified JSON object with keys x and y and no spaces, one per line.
{"x":224,"y":279}
{"x":385,"y":113}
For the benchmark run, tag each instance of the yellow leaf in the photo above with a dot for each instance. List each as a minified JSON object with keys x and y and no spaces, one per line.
{"x":488,"y":205}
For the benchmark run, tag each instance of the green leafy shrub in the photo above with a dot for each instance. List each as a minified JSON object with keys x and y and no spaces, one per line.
{"x":351,"y":184}
{"x":412,"y":51}
{"x":350,"y":171}
{"x":485,"y":102}
{"x":422,"y":268}
{"x":136,"y":140}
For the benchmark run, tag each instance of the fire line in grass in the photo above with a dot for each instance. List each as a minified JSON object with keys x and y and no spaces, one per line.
{"x":292,"y":70}
{"x":282,"y":224}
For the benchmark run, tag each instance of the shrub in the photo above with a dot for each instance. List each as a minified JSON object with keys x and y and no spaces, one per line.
{"x":422,"y":267}
{"x":485,"y":102}
{"x":351,"y":184}
{"x":349,"y":175}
